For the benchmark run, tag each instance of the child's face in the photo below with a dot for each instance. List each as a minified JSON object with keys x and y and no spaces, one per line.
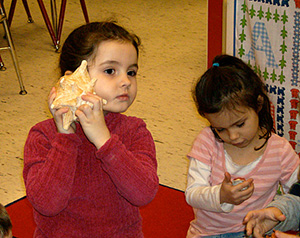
{"x":239,"y":127}
{"x":115,"y":67}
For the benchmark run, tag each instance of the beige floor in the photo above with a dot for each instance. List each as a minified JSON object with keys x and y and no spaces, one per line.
{"x":173,"y":34}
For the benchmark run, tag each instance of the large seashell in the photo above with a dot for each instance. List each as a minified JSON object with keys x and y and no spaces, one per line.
{"x":69,"y":90}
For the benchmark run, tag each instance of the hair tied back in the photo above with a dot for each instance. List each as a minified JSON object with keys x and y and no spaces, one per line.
{"x":216,"y":65}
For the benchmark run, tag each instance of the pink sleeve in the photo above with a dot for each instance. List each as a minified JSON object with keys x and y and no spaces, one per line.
{"x":203,"y":147}
{"x":289,"y":161}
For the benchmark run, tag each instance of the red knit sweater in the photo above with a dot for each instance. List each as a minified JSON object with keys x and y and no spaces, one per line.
{"x":78,"y":191}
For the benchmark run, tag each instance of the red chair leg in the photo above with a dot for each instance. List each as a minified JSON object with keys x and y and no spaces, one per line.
{"x":61,"y":19}
{"x":11,"y":11}
{"x":56,"y":33}
{"x":48,"y":23}
{"x":2,"y":67}
{"x":84,"y":10}
{"x":25,"y":4}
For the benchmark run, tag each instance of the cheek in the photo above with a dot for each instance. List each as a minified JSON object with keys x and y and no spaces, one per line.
{"x":134,"y":91}
{"x":224,"y":137}
{"x":134,"y":88}
{"x":255,"y":126}
{"x":221,"y":136}
{"x":100,"y":89}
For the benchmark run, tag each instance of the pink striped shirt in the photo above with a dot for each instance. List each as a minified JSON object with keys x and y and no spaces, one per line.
{"x":277,"y":164}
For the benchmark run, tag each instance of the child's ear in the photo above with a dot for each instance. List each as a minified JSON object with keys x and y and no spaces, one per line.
{"x":260,"y":102}
{"x":68,"y":72}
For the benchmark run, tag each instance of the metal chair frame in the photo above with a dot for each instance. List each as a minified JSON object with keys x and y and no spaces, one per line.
{"x":4,"y":21}
{"x":12,"y":11}
{"x":55,"y":29}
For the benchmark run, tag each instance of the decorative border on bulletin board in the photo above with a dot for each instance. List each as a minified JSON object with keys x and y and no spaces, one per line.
{"x":266,"y":35}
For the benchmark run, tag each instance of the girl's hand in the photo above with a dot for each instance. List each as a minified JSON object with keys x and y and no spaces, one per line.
{"x":57,"y":114}
{"x":280,"y":234}
{"x":258,"y":222}
{"x":235,"y":194}
{"x":92,"y":120}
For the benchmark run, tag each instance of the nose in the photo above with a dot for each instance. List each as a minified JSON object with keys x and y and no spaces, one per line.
{"x":125,"y":81}
{"x":233,"y":134}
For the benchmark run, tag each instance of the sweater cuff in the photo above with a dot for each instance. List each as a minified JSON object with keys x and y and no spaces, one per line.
{"x":106,"y":151}
{"x":287,"y":204}
{"x":64,"y":140}
{"x":225,"y":207}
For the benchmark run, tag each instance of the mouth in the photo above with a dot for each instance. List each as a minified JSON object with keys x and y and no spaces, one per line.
{"x":238,"y":144}
{"x":123,"y":97}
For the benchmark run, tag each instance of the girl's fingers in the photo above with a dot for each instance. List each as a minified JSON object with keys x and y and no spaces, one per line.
{"x":227,"y":178}
{"x":52,"y":92}
{"x":51,"y":96}
{"x":84,"y":110}
{"x":97,"y":101}
{"x":61,"y":111}
{"x":279,"y":234}
{"x":58,"y":118}
{"x":57,"y":114}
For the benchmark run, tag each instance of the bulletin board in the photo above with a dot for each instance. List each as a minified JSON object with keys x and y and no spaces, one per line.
{"x":266,"y":35}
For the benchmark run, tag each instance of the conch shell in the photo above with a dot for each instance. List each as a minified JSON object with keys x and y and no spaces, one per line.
{"x":69,"y":90}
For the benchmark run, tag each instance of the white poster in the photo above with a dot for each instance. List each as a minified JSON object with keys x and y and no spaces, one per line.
{"x":266,"y":35}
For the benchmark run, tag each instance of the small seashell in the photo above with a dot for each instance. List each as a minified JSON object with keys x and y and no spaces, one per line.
{"x":239,"y":180}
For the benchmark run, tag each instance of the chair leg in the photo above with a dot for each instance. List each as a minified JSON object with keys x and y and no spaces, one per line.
{"x":54,"y":30}
{"x":48,"y":23}
{"x":12,"y":50}
{"x":25,"y":4}
{"x":2,"y":67}
{"x":11,"y":11}
{"x":61,"y":19}
{"x":54,"y":16}
{"x":84,"y":10}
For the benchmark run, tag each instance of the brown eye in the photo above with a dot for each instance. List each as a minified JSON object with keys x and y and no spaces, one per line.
{"x":241,"y":124}
{"x":131,"y":73}
{"x":109,"y":71}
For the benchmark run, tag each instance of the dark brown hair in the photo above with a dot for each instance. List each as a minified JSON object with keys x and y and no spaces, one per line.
{"x":230,"y":82}
{"x":84,"y":41}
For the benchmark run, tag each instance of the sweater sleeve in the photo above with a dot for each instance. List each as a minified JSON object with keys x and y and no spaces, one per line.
{"x":199,"y":194}
{"x":289,"y":205}
{"x":132,"y":165}
{"x":290,"y":163}
{"x":49,"y":169}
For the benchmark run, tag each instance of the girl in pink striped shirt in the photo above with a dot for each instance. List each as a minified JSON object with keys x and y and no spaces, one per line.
{"x":240,"y":142}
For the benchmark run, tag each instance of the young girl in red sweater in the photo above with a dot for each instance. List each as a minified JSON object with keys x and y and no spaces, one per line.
{"x":91,"y":179}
